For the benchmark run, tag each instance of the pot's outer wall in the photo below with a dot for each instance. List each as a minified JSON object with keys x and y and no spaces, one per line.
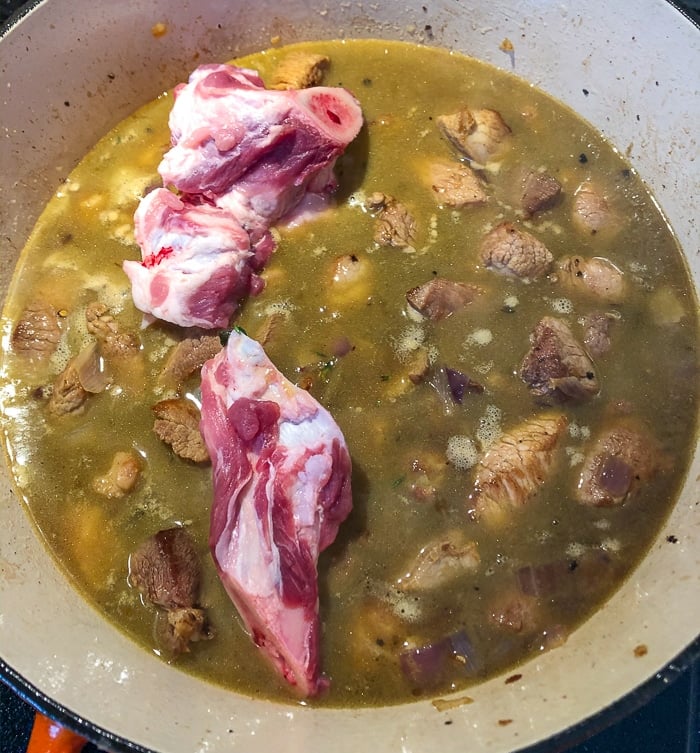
{"x":68,"y":73}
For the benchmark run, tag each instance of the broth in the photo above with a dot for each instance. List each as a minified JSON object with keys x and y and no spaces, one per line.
{"x":352,"y":342}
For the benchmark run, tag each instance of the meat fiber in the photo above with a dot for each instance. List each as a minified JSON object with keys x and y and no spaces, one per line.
{"x":252,"y":150}
{"x":196,"y":261}
{"x":281,"y":473}
{"x":515,"y":467}
{"x":242,"y":158}
{"x":622,"y":459}
{"x":557,"y":368}
{"x":515,"y":253}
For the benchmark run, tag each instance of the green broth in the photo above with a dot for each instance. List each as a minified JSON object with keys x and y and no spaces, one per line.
{"x":74,"y":256}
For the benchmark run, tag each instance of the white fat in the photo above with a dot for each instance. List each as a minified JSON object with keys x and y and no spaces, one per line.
{"x":461,"y":452}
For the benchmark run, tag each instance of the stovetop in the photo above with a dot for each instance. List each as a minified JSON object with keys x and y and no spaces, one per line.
{"x":669,"y":723}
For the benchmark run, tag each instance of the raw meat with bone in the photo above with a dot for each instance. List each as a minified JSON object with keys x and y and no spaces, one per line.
{"x":245,"y":152}
{"x":281,"y":474}
{"x":196,"y":261}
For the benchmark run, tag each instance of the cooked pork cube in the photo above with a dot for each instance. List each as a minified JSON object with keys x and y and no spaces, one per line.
{"x":516,"y":466}
{"x":514,"y":252}
{"x":557,"y":368}
{"x":479,"y":134}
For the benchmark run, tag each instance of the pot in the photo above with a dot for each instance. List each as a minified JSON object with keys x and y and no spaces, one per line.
{"x":70,"y":72}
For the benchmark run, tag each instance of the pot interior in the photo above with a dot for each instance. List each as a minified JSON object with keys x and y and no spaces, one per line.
{"x":629,"y":81}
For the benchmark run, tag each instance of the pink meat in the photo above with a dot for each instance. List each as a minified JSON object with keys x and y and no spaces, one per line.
{"x":281,"y":473}
{"x":252,"y":150}
{"x":196,"y":261}
{"x":241,"y":157}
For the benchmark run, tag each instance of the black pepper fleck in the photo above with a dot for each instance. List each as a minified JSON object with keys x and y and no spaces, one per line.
{"x":672,"y":539}
{"x":585,"y":92}
{"x":582,"y":158}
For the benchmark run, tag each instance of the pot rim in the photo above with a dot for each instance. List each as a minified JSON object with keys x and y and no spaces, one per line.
{"x":560,"y":741}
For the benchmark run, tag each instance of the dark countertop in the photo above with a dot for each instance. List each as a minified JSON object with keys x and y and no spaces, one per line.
{"x":669,"y":723}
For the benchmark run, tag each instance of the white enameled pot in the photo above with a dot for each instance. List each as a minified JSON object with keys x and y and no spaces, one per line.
{"x":68,"y":72}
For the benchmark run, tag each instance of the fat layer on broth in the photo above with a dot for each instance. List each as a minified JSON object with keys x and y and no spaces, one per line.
{"x":351,"y":341}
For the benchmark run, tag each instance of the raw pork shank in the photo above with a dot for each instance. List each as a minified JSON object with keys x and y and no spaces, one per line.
{"x":248,"y":155}
{"x":281,"y":473}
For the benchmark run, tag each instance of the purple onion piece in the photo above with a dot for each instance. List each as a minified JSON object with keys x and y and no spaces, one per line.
{"x":541,"y":580}
{"x":457,"y":383}
{"x":432,"y":664}
{"x":452,"y":385}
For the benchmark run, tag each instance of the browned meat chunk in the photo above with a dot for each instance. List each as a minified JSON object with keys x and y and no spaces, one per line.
{"x":183,"y":626}
{"x":83,"y":375}
{"x":596,"y":332}
{"x":427,"y":474}
{"x":514,"y":252}
{"x":395,"y":226}
{"x":166,"y":569}
{"x":621,"y":460}
{"x":439,"y":562}
{"x":68,"y":394}
{"x":188,"y":357}
{"x":556,"y":368}
{"x":99,"y":321}
{"x":439,"y":298}
{"x":594,"y":276}
{"x":540,"y":191}
{"x":121,"y":477}
{"x":456,"y":185}
{"x":106,"y":329}
{"x":299,"y":70}
{"x":418,"y":365}
{"x":591,"y":211}
{"x":516,"y":466}
{"x":37,"y":332}
{"x":177,"y":424}
{"x":479,"y":134}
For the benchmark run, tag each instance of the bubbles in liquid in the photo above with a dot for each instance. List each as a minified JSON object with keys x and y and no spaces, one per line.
{"x":562,"y":305}
{"x":489,"y":426}
{"x":461,"y":452}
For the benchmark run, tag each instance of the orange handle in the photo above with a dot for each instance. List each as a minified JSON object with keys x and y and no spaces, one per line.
{"x":50,"y":737}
